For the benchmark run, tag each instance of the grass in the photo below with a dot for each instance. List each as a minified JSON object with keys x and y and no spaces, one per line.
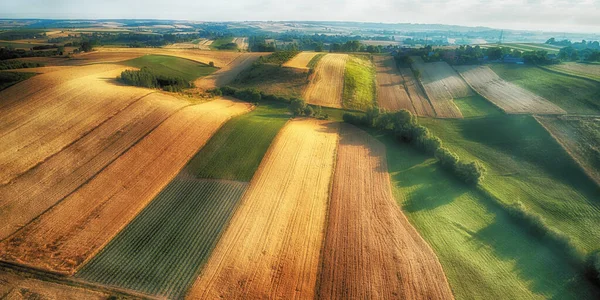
{"x":484,"y":253}
{"x":236,"y":150}
{"x":161,"y":251}
{"x":172,"y":66}
{"x":359,"y":83}
{"x":476,"y":106}
{"x":18,"y":45}
{"x":279,"y":57}
{"x":273,"y":79}
{"x":10,"y":78}
{"x":576,"y":73}
{"x":315,"y":60}
{"x":572,"y":94}
{"x":220,"y":42}
{"x":527,"y":165}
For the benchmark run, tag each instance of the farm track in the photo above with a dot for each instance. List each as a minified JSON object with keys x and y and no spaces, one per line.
{"x":371,"y":250}
{"x":327,"y":83}
{"x":391,"y":92}
{"x":35,"y":191}
{"x":509,"y":97}
{"x":272,"y":246}
{"x":301,"y":60}
{"x":228,"y":73}
{"x":442,"y":84}
{"x":69,"y":234}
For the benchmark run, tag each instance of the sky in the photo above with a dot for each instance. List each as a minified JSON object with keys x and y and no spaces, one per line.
{"x":544,"y":15}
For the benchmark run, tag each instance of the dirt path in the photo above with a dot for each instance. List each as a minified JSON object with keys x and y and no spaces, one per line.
{"x":371,"y":251}
{"x":391,"y":92}
{"x":272,"y":246}
{"x":327,"y":83}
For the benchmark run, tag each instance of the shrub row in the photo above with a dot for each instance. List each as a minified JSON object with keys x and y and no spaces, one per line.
{"x":405,"y":128}
{"x":15,"y":64}
{"x":278,"y":57}
{"x":146,"y":77}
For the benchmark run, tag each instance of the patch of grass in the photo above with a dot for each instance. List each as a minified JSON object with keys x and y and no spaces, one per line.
{"x":484,"y":253}
{"x":525,"y":164}
{"x":172,"y":66}
{"x":10,"y":78}
{"x":359,"y":83}
{"x":476,"y":106}
{"x":237,"y":149}
{"x":315,"y":60}
{"x":278,"y":58}
{"x":572,"y":94}
{"x":273,"y":79}
{"x":220,"y":42}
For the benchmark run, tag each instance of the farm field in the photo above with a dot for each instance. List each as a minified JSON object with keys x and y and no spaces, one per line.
{"x":574,"y":95}
{"x":219,"y":58}
{"x":201,"y":44}
{"x":228,"y":73}
{"x":148,"y":257}
{"x":442,"y":84}
{"x":327,"y":83}
{"x":301,"y":60}
{"x":359,"y":92}
{"x":172,"y":66}
{"x":273,"y":80}
{"x":476,"y":107}
{"x":272,"y":246}
{"x":220,"y":42}
{"x":421,"y":104}
{"x":363,"y":215}
{"x":579,"y":136}
{"x":144,"y":171}
{"x":591,"y":71}
{"x":391,"y":91}
{"x":509,"y":97}
{"x":241,"y":42}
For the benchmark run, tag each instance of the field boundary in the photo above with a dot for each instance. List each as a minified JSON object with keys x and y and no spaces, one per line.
{"x":568,"y":74}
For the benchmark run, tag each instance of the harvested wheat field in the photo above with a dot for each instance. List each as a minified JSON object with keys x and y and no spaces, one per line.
{"x":442,"y":84}
{"x":301,"y":60}
{"x":327,"y":83}
{"x":272,"y":246}
{"x":74,"y":230}
{"x":45,"y":114}
{"x":419,"y":100}
{"x":509,"y":97}
{"x":219,"y":58}
{"x":391,"y":93}
{"x":38,"y":189}
{"x":228,"y":73}
{"x":202,"y":44}
{"x":241,"y":42}
{"x":371,"y":251}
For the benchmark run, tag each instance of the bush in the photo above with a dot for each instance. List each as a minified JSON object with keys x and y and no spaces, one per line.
{"x":308,"y":111}
{"x":471,"y":173}
{"x":149,"y":79}
{"x":447,"y":158}
{"x":297,"y":107}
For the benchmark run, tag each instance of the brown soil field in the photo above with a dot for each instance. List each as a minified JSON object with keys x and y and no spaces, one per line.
{"x":15,"y":286}
{"x":228,"y":73}
{"x":46,"y":113}
{"x":442,"y":84}
{"x":38,"y":189}
{"x":272,"y":246}
{"x":371,"y":250}
{"x":327,"y":83}
{"x":509,"y":97}
{"x":418,"y":97}
{"x":220,"y":58}
{"x":301,"y":60}
{"x":391,"y":92}
{"x":66,"y":236}
{"x":241,"y":42}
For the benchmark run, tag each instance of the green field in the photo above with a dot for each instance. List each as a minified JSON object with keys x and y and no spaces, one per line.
{"x":220,"y":42}
{"x":359,"y":83}
{"x":10,"y":78}
{"x":315,"y":60}
{"x":588,"y":70}
{"x":572,"y":94}
{"x":476,"y":106}
{"x":273,"y":80}
{"x":525,"y":164}
{"x":236,"y":150}
{"x":172,"y":66}
{"x":484,"y":253}
{"x":162,"y":250}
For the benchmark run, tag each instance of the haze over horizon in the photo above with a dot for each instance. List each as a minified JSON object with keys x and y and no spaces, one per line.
{"x":539,"y":15}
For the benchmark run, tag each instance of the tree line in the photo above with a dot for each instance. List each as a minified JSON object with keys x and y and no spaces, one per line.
{"x":146,"y":77}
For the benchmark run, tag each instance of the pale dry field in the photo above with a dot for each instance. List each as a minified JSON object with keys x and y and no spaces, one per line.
{"x":585,"y":70}
{"x":327,"y":83}
{"x":418,"y":97}
{"x":219,"y":58}
{"x":391,"y":93}
{"x":228,"y":73}
{"x":442,"y":84}
{"x":371,"y":250}
{"x":272,"y":246}
{"x":14,"y":286}
{"x":66,"y":236}
{"x":241,"y":42}
{"x":509,"y":97}
{"x":46,"y":113}
{"x":301,"y":60}
{"x":201,"y":45}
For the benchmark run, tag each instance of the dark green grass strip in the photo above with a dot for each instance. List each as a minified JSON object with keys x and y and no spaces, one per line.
{"x":161,"y":251}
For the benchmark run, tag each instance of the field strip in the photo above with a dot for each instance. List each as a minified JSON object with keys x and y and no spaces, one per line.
{"x":35,"y":191}
{"x":160,"y":252}
{"x":371,"y":251}
{"x":327,"y":83}
{"x":228,"y":73}
{"x":241,"y":42}
{"x":391,"y":92}
{"x":580,"y":70}
{"x":48,"y":121}
{"x":442,"y":84}
{"x":418,"y":97}
{"x":509,"y":97}
{"x":301,"y":60}
{"x":219,"y":58}
{"x":272,"y":246}
{"x":73,"y":231}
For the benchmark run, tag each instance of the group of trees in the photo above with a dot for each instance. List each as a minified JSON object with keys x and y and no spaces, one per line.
{"x":15,"y":64}
{"x":9,"y":53}
{"x":146,"y":77}
{"x":406,"y":129}
{"x":298,"y":107}
{"x":577,"y":51}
